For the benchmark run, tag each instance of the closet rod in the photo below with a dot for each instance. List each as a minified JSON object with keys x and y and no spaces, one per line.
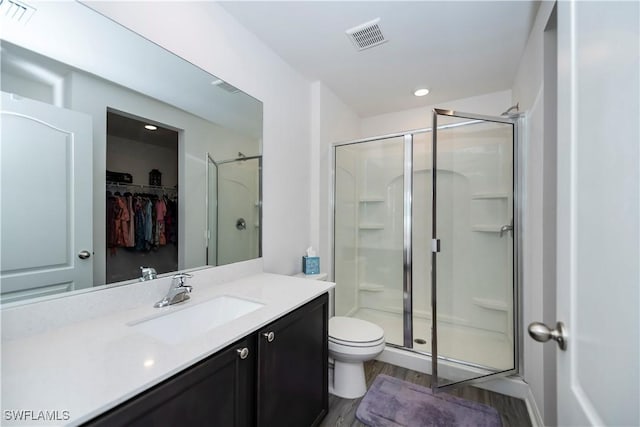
{"x":152,"y":187}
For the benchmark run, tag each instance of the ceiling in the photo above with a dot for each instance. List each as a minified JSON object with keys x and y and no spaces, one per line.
{"x":127,"y":127}
{"x":457,"y":49}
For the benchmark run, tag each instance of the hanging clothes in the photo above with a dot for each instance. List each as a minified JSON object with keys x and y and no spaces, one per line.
{"x":140,"y":222}
{"x":138,"y":207}
{"x":132,"y":234}
{"x":122,"y":222}
{"x":148,"y":221}
{"x":171,"y":221}
{"x":161,"y":210}
{"x":111,"y":226}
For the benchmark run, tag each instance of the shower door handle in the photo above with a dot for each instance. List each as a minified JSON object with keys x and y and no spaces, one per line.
{"x":507,"y":227}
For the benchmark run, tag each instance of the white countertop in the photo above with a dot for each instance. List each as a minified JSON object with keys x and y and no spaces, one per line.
{"x":90,"y":366}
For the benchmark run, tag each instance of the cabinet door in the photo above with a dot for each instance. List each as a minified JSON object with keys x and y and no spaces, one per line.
{"x":216,"y":392}
{"x":292,"y":388}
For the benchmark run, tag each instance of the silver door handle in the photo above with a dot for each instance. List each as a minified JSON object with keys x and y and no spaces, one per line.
{"x":243,"y":352}
{"x":84,"y":254}
{"x":541,"y":332}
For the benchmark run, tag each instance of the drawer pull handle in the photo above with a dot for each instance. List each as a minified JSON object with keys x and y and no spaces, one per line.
{"x":269,"y":336}
{"x":243,"y":353}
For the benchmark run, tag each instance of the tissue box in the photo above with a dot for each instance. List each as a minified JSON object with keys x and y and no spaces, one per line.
{"x":311,"y":265}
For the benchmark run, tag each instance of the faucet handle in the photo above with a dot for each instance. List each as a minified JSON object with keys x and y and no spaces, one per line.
{"x":181,"y":277}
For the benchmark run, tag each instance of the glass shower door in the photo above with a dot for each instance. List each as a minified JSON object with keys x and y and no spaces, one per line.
{"x":473,"y":280}
{"x":369,"y":226}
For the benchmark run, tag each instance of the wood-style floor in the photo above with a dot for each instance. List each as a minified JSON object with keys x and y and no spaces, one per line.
{"x":342,"y":412}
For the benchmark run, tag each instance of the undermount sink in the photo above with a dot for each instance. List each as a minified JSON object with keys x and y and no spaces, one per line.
{"x":193,"y":320}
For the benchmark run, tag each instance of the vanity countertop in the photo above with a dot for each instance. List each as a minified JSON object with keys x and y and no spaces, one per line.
{"x":88,"y":367}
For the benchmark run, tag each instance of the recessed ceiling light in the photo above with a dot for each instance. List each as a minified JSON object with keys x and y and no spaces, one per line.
{"x":150,"y":127}
{"x":421,"y":92}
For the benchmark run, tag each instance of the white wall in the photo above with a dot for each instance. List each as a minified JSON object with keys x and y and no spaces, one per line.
{"x":331,"y":121}
{"x":29,"y":88}
{"x":213,"y":40}
{"x":138,"y":158}
{"x":528,"y":89}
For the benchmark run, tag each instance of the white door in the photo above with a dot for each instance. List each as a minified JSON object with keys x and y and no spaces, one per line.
{"x":598,"y":277}
{"x":46,"y":220}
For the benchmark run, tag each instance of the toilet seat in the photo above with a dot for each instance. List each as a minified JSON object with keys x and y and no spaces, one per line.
{"x":356,"y":344}
{"x":352,"y":332}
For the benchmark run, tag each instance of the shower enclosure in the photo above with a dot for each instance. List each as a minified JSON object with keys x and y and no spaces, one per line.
{"x":425,"y":238}
{"x":234,"y":210}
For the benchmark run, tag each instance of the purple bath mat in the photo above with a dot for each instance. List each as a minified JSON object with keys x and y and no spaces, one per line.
{"x":391,"y":402}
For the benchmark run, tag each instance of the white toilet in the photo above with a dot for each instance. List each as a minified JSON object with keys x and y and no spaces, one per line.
{"x":352,"y":342}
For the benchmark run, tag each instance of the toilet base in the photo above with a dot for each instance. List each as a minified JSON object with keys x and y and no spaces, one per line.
{"x":348,"y":380}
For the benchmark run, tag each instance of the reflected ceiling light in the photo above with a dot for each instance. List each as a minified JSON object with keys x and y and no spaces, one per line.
{"x":150,"y":127}
{"x":149,"y":363}
{"x":421,"y":92}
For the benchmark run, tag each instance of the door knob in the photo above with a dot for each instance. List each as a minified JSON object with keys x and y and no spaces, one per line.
{"x":243,"y":352}
{"x":84,"y":254}
{"x":541,"y":332}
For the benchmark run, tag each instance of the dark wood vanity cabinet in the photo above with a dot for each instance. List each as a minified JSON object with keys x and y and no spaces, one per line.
{"x":292,"y":383}
{"x":275,"y":377}
{"x":215,"y":392}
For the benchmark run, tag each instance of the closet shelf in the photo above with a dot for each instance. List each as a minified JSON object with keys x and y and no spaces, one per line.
{"x":139,"y":186}
{"x":371,"y":199}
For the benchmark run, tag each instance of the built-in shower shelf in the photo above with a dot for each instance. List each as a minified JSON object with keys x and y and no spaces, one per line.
{"x":484,"y":228}
{"x":491,"y":304}
{"x":490,"y":196}
{"x":372,"y":199}
{"x":371,"y":287}
{"x":371,"y":226}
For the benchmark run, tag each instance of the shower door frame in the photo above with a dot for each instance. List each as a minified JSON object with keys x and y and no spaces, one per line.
{"x":407,"y":233}
{"x":517,"y":186}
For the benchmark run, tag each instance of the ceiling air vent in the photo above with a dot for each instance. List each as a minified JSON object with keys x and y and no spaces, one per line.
{"x":225,"y":86}
{"x":366,"y":35}
{"x":15,"y":11}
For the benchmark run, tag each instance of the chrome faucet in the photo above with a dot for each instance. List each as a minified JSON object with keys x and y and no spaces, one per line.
{"x":148,"y":273}
{"x":178,"y":292}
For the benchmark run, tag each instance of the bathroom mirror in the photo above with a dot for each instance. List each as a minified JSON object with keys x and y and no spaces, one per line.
{"x":106,"y":146}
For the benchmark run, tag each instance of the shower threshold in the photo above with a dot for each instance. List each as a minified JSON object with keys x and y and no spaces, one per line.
{"x":477,"y":346}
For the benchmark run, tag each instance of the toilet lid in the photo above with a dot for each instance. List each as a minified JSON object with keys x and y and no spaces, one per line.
{"x":354,"y":330}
